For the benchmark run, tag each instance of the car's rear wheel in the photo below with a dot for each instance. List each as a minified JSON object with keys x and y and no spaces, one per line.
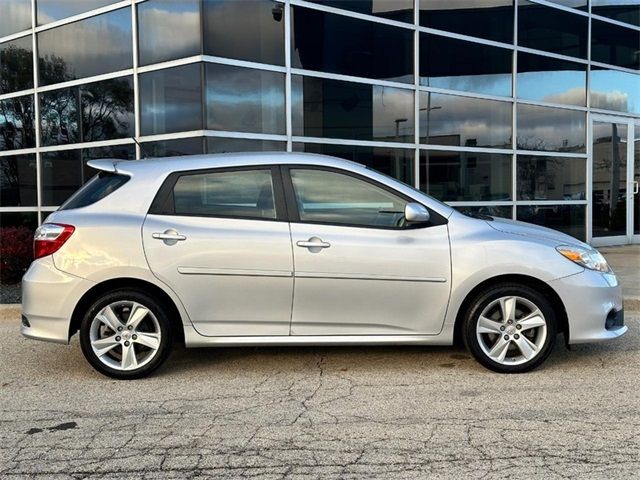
{"x":510,"y":328}
{"x":126,"y":334}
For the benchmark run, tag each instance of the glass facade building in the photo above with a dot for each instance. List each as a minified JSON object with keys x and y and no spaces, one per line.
{"x":527,"y":109}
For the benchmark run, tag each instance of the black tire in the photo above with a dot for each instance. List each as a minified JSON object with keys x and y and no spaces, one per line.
{"x":158,"y":309}
{"x":483,"y":300}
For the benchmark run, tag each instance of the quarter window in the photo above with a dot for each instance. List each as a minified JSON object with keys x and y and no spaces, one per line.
{"x":329,"y":197}
{"x":244,"y":194}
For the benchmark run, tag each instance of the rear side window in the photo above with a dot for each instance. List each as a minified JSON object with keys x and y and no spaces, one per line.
{"x":242,"y":193}
{"x":103,"y":184}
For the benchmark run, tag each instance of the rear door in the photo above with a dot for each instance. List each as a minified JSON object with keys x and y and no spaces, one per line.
{"x":220,"y":239}
{"x":359,"y":268}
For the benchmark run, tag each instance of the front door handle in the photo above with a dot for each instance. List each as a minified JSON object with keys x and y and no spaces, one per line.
{"x":169,"y":237}
{"x":635,"y":187}
{"x":314,"y":244}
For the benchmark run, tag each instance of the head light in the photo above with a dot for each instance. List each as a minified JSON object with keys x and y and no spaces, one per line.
{"x":585,"y":257}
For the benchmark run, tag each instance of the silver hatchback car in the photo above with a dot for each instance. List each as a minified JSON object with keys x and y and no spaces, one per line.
{"x":298,"y":249}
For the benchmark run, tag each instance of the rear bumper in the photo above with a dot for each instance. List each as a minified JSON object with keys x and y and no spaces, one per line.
{"x":48,"y":299}
{"x":593,"y":302}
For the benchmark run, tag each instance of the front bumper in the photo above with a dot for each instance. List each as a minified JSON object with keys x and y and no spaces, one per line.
{"x":593,"y":302}
{"x":48,"y":299}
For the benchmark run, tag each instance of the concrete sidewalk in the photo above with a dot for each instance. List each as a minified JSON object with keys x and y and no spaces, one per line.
{"x":625,"y":261}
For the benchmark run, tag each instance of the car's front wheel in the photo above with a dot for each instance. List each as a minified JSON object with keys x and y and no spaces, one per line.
{"x":126,"y":334}
{"x":510,"y":328}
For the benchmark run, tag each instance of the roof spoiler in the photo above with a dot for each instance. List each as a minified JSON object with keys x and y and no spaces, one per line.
{"x":109,"y":165}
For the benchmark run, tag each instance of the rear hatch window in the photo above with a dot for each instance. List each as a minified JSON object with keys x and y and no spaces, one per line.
{"x":103,"y":184}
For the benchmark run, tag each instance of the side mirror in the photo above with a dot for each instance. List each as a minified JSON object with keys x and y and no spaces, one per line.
{"x":416,"y":213}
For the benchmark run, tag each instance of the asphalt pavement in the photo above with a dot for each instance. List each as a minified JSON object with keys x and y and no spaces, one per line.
{"x":328,"y":413}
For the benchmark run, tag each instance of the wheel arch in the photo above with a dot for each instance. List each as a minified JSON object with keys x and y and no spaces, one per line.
{"x":122,"y":283}
{"x":539,"y":285}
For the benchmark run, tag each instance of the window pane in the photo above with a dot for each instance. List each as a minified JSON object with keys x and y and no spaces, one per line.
{"x":173,"y":148}
{"x":51,"y":10}
{"x":338,"y":44}
{"x":491,"y":210}
{"x":59,"y":116}
{"x":18,"y":181}
{"x":16,"y":65}
{"x":244,"y":100}
{"x":65,"y":171}
{"x":171,"y":100}
{"x":245,"y":194}
{"x":61,"y":174}
{"x":85,"y":48}
{"x":156,"y":18}
{"x":615,"y":90}
{"x":17,"y":127}
{"x":609,"y":179}
{"x":627,"y":11}
{"x":464,"y":121}
{"x":335,"y":109}
{"x":550,"y":129}
{"x":398,"y":10}
{"x":547,"y":79}
{"x":552,"y":30}
{"x":492,"y":19}
{"x":331,"y":197}
{"x":477,"y":68}
{"x":395,"y":162}
{"x":223,"y":145}
{"x":569,"y":219}
{"x":16,"y":16}
{"x":248,"y":30}
{"x":615,"y":45}
{"x":106,"y":108}
{"x":466,"y":176}
{"x":551,"y":178}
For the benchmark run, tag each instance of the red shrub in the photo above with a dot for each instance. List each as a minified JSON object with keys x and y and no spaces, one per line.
{"x":16,"y":252}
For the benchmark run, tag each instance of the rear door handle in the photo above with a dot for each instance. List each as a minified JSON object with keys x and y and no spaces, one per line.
{"x":313,"y":242}
{"x":170,"y":237}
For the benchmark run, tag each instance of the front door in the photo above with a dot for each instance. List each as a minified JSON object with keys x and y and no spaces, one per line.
{"x":220,"y":239}
{"x":614,"y":174}
{"x":359,"y":268}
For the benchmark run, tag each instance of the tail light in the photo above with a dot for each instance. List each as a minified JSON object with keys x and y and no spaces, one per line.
{"x":49,"y":237}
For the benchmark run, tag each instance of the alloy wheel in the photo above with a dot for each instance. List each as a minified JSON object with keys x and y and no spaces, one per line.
{"x":125,"y":335}
{"x":511,"y":330}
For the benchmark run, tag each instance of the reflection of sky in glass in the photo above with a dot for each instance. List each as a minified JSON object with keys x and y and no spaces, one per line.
{"x":614,"y":90}
{"x":567,"y":86}
{"x":454,"y":120}
{"x":88,"y":47}
{"x":156,"y":18}
{"x":549,"y":129}
{"x":244,"y":99}
{"x":494,"y":84}
{"x":15,"y":16}
{"x":50,"y":10}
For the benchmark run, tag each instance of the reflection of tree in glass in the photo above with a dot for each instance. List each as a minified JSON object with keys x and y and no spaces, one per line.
{"x":53,"y":69}
{"x":59,"y":116}
{"x":96,"y":111}
{"x":16,"y":71}
{"x":107,"y":110}
{"x":17,"y":123}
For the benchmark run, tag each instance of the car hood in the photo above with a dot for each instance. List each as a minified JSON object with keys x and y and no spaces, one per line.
{"x":529,"y":230}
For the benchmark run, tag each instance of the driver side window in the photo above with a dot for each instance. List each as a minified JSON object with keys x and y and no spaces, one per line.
{"x":329,"y":197}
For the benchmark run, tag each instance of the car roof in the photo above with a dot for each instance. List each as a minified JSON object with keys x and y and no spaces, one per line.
{"x":195,"y":162}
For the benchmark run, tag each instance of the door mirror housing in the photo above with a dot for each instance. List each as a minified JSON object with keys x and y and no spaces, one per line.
{"x":416,"y":213}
